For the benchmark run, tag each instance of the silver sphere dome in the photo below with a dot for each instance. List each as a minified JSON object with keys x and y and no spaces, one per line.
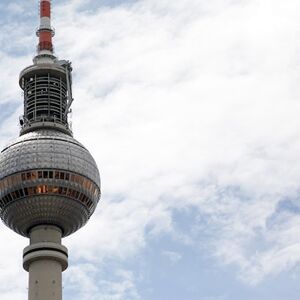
{"x":47,"y":177}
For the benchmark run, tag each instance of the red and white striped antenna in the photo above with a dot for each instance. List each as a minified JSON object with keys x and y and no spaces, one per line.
{"x":45,"y":32}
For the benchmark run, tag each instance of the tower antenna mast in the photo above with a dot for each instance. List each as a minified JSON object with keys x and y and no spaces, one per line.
{"x":45,"y":32}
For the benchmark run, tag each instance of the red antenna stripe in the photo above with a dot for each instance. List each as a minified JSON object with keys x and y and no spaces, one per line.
{"x":46,"y":36}
{"x":45,"y":9}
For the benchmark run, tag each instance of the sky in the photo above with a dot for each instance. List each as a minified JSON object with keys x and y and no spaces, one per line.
{"x":191,"y":110}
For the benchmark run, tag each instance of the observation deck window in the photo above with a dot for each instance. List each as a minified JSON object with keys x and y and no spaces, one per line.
{"x":36,"y":189}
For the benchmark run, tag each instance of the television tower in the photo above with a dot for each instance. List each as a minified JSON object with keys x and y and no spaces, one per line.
{"x":49,"y":182}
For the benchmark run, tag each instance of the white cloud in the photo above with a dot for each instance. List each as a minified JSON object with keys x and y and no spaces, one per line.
{"x":122,"y":286}
{"x":12,"y":275}
{"x":174,"y":257}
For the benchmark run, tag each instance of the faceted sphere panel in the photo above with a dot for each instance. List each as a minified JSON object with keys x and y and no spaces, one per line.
{"x":47,"y":177}
{"x":28,"y":212}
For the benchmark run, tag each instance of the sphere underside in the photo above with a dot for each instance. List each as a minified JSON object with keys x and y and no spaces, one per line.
{"x":29,"y":212}
{"x":47,"y":177}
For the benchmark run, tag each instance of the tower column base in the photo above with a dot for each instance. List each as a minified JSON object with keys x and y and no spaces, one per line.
{"x":45,"y":259}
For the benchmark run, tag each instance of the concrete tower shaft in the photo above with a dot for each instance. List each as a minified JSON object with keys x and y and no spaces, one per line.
{"x":45,"y":259}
